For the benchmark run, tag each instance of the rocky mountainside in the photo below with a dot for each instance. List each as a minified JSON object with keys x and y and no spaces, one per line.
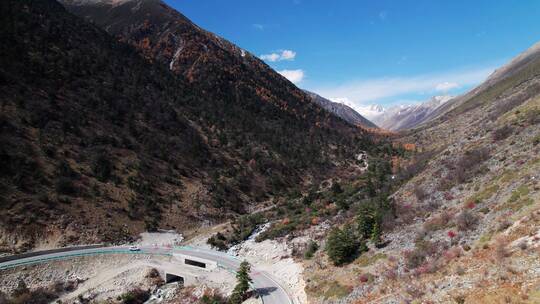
{"x":405,"y":116}
{"x":341,"y":110}
{"x":100,"y":140}
{"x":467,"y":225}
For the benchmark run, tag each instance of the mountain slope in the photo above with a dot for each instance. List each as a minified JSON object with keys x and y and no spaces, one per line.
{"x":470,"y":212}
{"x":232,"y":79}
{"x":341,"y":110}
{"x":219,"y":68}
{"x":517,"y":72}
{"x":99,"y":143}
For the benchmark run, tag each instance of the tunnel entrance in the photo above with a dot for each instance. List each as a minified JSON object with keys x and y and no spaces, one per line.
{"x":195,"y":263}
{"x":171,"y":278}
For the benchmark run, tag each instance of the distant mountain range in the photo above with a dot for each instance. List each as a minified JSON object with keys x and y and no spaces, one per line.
{"x":403,"y":116}
{"x":342,"y":110}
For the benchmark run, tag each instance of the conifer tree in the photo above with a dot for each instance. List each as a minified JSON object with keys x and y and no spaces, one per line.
{"x":342,"y":245}
{"x":242,"y":286}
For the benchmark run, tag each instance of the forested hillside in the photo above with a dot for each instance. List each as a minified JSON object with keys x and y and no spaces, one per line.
{"x":100,"y":143}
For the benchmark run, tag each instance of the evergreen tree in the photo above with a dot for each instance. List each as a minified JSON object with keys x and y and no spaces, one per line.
{"x":370,"y":187}
{"x":20,"y":289}
{"x":336,"y":188}
{"x":242,"y":286}
{"x":366,"y":220}
{"x":376,"y":233}
{"x":342,"y":245}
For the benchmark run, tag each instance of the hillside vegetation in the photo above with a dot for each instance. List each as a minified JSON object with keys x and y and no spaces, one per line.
{"x":99,"y":143}
{"x":467,"y":219}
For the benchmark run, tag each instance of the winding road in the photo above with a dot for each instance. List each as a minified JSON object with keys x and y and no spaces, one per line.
{"x":269,"y":289}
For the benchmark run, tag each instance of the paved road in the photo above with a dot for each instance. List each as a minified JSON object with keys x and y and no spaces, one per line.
{"x":271,"y":291}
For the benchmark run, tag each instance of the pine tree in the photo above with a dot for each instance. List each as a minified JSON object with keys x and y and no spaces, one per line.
{"x":370,"y":187}
{"x":366,"y":220}
{"x":376,"y":233}
{"x":20,"y":289}
{"x":242,"y":286}
{"x":341,"y":245}
{"x":336,"y":188}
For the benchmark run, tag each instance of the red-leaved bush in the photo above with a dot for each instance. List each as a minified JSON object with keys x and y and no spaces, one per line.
{"x":470,"y":204}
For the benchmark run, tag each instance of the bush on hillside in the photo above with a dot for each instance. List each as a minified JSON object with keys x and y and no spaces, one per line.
{"x":420,"y":193}
{"x":342,"y":245}
{"x":135,"y":296}
{"x":466,"y":220}
{"x":502,"y":132}
{"x":312,"y":247}
{"x":23,"y":295}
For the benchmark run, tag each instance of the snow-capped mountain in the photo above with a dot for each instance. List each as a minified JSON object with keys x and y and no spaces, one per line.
{"x":402,"y":116}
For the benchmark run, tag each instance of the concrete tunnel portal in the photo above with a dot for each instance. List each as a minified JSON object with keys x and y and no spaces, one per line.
{"x":172,"y":278}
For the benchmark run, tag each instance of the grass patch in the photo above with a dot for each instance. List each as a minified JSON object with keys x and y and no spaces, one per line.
{"x":522,"y":112}
{"x":365,"y":260}
{"x":518,"y":204}
{"x":484,"y":239}
{"x":508,"y":175}
{"x":322,"y":288}
{"x":485,"y":194}
{"x":518,"y":199}
{"x":522,"y":190}
{"x":336,"y":290}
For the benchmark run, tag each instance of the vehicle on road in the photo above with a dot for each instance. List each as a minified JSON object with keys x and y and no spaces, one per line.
{"x":134,"y":248}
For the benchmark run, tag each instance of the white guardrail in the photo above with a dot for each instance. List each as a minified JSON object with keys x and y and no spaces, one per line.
{"x":70,"y":252}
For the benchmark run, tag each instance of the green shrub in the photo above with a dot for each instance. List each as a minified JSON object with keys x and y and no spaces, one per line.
{"x":135,"y":296}
{"x":213,"y":299}
{"x":336,"y":188}
{"x":342,"y":246}
{"x":311,"y":249}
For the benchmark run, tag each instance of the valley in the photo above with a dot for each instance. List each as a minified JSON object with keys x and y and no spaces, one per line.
{"x":144,"y":159}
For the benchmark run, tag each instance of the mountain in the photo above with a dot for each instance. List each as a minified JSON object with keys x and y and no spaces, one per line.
{"x":341,"y":110}
{"x":469,"y":202}
{"x":164,"y":125}
{"x":516,"y":73}
{"x":404,"y":116}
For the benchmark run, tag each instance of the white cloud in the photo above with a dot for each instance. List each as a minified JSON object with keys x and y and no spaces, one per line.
{"x":288,"y":55}
{"x":258,"y":26}
{"x":294,"y":76}
{"x":446,"y":86}
{"x":271,"y":57}
{"x":360,"y":92}
{"x":279,"y":56}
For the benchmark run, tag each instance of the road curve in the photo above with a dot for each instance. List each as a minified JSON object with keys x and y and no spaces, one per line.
{"x":268,"y":287}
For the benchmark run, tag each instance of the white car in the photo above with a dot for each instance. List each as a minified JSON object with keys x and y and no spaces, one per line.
{"x":134,"y":248}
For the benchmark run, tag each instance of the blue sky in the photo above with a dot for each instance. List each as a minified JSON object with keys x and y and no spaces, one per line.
{"x":375,"y":52}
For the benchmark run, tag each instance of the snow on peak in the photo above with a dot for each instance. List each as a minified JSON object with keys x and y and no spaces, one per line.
{"x":371,"y":111}
{"x":343,"y":100}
